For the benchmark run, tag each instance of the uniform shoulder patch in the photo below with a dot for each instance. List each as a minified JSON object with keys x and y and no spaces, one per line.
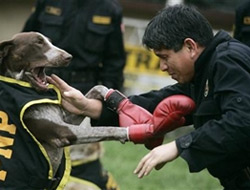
{"x":97,"y":19}
{"x":246,"y":20}
{"x":53,"y":10}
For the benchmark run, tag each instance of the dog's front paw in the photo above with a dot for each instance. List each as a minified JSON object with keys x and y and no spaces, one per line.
{"x":97,"y":92}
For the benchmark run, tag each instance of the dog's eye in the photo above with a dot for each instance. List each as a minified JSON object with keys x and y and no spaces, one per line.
{"x":40,"y":41}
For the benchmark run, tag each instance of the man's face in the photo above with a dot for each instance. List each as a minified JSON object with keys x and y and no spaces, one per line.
{"x":179,"y":65}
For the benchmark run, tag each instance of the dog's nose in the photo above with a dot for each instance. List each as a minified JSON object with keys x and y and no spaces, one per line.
{"x":68,"y":57}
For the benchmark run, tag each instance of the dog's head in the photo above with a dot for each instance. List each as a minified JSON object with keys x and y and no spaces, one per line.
{"x":26,"y":56}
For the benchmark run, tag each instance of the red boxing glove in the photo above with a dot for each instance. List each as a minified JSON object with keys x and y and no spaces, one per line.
{"x":128,"y":112}
{"x":168,"y":115}
{"x":144,"y":134}
{"x":142,"y":126}
{"x":137,"y":119}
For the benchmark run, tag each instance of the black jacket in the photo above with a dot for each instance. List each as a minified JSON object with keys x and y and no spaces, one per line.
{"x":221,"y":92}
{"x":91,"y":31}
{"x":242,"y":22}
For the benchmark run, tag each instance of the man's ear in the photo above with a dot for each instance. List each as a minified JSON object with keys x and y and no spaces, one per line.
{"x":191,"y":45}
{"x":4,"y":49}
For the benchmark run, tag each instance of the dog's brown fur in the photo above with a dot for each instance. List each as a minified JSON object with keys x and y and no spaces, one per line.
{"x":25,"y":58}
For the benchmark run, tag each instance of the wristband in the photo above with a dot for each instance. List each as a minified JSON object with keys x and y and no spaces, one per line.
{"x":114,"y":99}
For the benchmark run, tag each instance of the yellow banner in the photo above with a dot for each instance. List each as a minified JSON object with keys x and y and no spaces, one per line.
{"x":141,"y":60}
{"x":142,"y":71}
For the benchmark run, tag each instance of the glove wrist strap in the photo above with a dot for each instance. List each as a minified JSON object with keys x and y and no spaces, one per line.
{"x":114,"y":99}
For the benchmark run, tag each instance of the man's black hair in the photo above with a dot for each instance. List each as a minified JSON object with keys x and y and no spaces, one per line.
{"x":169,"y":28}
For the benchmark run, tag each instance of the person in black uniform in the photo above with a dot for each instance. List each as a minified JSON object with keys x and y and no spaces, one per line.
{"x":214,"y":70}
{"x":242,"y":23}
{"x":90,"y":30}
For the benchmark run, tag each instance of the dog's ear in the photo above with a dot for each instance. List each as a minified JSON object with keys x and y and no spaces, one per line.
{"x":4,"y":49}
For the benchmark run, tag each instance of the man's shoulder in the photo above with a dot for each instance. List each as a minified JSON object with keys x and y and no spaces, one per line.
{"x":234,"y":49}
{"x":243,"y":7}
{"x":112,"y":5}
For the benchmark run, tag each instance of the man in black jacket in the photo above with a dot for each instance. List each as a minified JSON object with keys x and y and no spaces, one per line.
{"x":215,"y":72}
{"x":91,"y":31}
{"x":242,"y":22}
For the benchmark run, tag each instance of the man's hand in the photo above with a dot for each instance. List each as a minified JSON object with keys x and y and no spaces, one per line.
{"x":74,"y":101}
{"x":156,"y":158}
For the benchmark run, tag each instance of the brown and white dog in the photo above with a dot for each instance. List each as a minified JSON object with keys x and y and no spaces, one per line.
{"x":25,"y":58}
